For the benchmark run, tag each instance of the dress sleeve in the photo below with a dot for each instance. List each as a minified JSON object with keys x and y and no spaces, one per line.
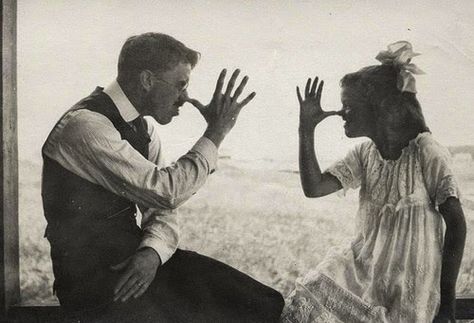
{"x":437,"y":172}
{"x":349,"y":169}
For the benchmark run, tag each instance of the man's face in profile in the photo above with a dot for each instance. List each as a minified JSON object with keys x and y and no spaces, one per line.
{"x":167,"y":93}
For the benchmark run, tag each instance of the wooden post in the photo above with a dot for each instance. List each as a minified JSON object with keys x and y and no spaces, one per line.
{"x":9,"y":245}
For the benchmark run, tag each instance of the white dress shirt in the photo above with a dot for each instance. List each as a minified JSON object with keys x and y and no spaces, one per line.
{"x":87,"y":144}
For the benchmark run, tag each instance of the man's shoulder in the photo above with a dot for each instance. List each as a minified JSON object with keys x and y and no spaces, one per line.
{"x":83,"y":120}
{"x":76,"y":126}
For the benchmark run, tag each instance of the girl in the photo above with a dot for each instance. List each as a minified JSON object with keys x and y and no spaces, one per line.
{"x":400,"y":267}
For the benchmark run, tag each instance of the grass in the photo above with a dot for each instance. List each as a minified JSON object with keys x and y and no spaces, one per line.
{"x":255,"y":220}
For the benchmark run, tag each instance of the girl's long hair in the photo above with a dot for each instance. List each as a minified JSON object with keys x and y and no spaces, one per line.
{"x":392,"y":108}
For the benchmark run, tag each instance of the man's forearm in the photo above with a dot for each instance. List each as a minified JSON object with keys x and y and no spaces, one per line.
{"x":171,"y":186}
{"x":95,"y":151}
{"x":160,"y":232}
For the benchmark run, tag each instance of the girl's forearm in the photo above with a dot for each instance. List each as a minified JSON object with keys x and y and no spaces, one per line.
{"x":453,"y":249}
{"x":452,"y":256}
{"x":310,"y":172}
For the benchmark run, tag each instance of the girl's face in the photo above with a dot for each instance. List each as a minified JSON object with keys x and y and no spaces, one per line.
{"x":357,"y":113}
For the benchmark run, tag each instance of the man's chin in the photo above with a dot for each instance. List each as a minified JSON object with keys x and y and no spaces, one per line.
{"x":163,"y":121}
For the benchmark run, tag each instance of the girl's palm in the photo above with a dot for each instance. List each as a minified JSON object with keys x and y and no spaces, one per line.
{"x":311,"y":112}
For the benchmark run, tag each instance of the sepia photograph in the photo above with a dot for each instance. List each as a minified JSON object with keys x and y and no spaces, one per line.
{"x":237,"y":161}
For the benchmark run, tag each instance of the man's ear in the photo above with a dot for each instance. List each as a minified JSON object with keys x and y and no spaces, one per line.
{"x":146,"y":80}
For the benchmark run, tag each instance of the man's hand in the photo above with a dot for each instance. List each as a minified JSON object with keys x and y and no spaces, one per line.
{"x":222,"y":112}
{"x":139,"y":271}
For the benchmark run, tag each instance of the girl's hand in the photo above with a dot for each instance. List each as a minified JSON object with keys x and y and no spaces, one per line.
{"x":445,"y":315}
{"x":311,"y":112}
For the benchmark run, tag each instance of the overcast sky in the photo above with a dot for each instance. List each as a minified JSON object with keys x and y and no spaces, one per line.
{"x":66,"y":48}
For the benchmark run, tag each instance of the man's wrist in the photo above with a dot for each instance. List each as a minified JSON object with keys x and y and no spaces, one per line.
{"x":214,"y":136}
{"x":151,"y":253}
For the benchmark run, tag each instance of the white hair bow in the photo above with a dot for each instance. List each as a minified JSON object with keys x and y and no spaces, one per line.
{"x":399,"y":54}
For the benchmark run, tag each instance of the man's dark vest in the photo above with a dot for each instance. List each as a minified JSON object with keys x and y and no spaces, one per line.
{"x":89,"y":227}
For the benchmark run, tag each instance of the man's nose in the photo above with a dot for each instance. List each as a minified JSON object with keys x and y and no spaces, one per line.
{"x":183,"y":97}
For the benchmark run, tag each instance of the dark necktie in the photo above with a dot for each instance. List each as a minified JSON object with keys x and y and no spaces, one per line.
{"x":141,"y":139}
{"x":137,"y":125}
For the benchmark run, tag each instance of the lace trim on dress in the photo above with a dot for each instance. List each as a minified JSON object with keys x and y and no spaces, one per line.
{"x":346,"y":306}
{"x":303,"y":307}
{"x":448,"y":187}
{"x":344,"y":174}
{"x":322,"y":300}
{"x":297,"y":310}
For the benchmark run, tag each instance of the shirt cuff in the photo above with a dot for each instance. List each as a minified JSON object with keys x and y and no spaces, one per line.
{"x":163,"y":250}
{"x":208,"y":150}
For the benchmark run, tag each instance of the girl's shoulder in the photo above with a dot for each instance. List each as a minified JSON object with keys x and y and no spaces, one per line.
{"x":364,"y":147}
{"x":363,"y":152}
{"x":430,"y":148}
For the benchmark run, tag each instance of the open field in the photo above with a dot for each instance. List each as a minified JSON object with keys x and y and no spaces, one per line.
{"x":255,"y":220}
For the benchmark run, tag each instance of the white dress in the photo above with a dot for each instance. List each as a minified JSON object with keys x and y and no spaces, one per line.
{"x":391,"y":271}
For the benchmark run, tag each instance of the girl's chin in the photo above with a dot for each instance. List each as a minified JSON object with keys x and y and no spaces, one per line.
{"x":348,"y":133}
{"x":347,"y":129}
{"x":352,"y":133}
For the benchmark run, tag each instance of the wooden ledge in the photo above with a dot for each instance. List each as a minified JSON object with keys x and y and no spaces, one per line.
{"x":465,"y":307}
{"x":37,"y":313}
{"x":51,"y":312}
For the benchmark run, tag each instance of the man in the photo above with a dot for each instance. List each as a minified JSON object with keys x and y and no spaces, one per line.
{"x":101,"y":160}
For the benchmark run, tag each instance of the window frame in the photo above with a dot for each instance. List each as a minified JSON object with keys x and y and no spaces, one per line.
{"x":9,"y":227}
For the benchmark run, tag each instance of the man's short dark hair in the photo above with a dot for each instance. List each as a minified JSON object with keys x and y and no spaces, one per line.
{"x":155,"y":52}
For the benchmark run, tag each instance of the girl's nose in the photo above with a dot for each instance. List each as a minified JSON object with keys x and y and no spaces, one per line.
{"x":344,"y":112}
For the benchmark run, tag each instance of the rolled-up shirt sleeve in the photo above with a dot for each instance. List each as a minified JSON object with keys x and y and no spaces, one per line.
{"x":160,"y":231}
{"x":87,"y":144}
